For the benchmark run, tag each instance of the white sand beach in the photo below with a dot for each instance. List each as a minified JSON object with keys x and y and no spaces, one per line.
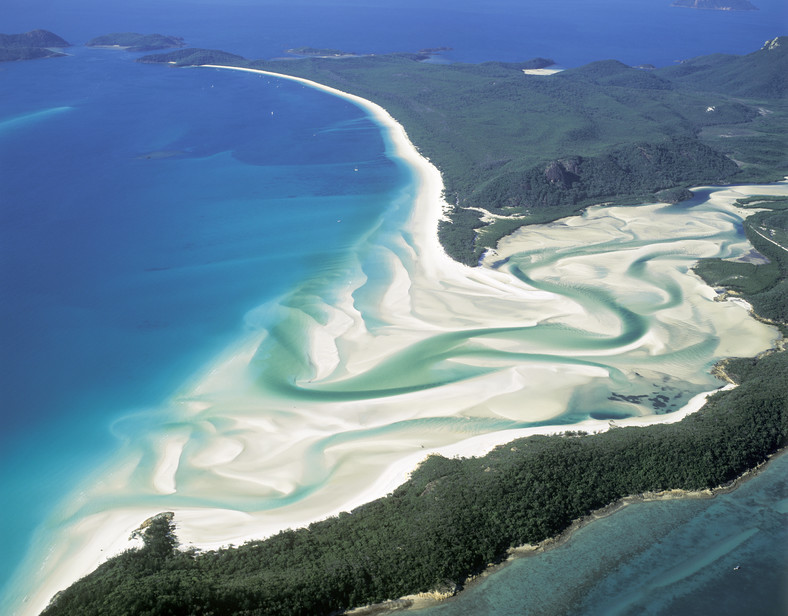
{"x":256,"y":446}
{"x":542,"y":71}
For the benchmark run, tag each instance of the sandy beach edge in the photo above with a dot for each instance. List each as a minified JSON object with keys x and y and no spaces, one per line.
{"x":427,"y":212}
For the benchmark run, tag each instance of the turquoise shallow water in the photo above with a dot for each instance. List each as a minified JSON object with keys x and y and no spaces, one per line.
{"x":147,"y":214}
{"x":724,"y":556}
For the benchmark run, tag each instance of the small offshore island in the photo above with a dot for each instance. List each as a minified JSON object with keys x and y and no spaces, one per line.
{"x":421,"y":55}
{"x":717,"y":5}
{"x":652,"y":136}
{"x":314,"y":52}
{"x":133,"y":41}
{"x":31,"y":46}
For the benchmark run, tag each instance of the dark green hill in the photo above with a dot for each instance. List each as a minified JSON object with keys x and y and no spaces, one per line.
{"x":762,"y":74}
{"x":34,"y":38}
{"x":30,"y":45}
{"x":615,"y":73}
{"x":194,"y":57}
{"x":133,"y":41}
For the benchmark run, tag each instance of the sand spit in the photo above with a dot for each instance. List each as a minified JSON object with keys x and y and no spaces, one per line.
{"x":542,"y":71}
{"x":415,"y":354}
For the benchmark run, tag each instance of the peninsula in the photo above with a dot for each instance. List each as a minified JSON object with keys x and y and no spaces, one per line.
{"x":31,"y":46}
{"x":606,"y":132}
{"x":133,"y":41}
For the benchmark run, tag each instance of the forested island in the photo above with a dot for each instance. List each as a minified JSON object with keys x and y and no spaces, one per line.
{"x":535,"y":148}
{"x":320,"y":52}
{"x":30,"y":46}
{"x":133,"y":41}
{"x":327,"y":52}
{"x":718,"y":5}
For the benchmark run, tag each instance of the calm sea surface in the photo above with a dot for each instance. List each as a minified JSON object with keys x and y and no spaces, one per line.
{"x":144,"y":212}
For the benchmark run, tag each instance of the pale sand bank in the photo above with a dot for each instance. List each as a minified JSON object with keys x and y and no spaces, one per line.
{"x":542,"y":71}
{"x":238,"y":449}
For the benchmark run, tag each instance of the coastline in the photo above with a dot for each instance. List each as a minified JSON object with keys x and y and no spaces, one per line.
{"x":435,"y":264}
{"x":414,"y":603}
{"x":430,"y":205}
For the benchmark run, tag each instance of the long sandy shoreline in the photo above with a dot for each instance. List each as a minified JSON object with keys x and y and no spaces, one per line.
{"x":97,"y":537}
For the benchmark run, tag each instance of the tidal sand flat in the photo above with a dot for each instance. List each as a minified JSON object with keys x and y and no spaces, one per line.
{"x":347,"y":382}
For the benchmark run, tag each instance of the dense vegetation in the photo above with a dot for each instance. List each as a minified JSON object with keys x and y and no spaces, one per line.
{"x":194,"y":57}
{"x":134,"y":41}
{"x":765,"y":285}
{"x":450,"y":520}
{"x":532,"y":148}
{"x":30,"y":45}
{"x":766,"y":75}
{"x":453,"y":517}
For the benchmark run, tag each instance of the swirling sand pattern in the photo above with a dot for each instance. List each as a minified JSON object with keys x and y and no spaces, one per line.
{"x":344,"y":385}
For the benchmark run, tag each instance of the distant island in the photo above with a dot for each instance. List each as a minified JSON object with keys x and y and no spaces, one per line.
{"x":30,"y":46}
{"x":193,"y":57}
{"x":318,"y":52}
{"x":133,"y":41}
{"x":717,"y":5}
{"x":328,"y":52}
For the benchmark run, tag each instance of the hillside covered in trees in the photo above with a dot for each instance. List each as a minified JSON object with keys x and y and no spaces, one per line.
{"x":533,"y":148}
{"x":30,"y":45}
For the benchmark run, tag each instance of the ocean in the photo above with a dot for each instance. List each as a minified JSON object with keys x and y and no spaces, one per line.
{"x":145,"y":214}
{"x":150,"y":218}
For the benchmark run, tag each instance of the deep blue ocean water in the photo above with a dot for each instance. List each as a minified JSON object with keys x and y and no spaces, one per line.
{"x":145,"y":211}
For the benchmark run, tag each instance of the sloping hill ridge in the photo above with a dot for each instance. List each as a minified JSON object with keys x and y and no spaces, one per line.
{"x":30,"y":45}
{"x":761,"y":74}
{"x":34,"y":38}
